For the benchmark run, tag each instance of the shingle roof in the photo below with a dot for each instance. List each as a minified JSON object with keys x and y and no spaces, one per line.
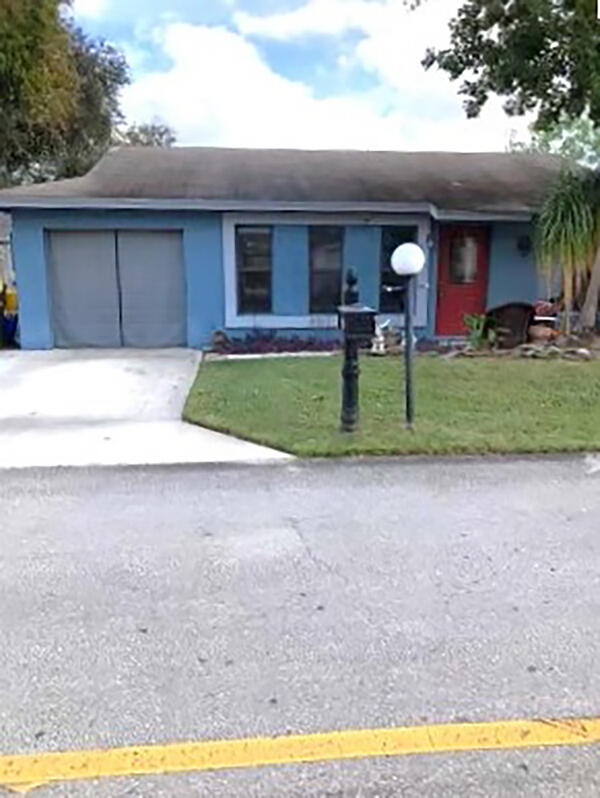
{"x":476,"y":182}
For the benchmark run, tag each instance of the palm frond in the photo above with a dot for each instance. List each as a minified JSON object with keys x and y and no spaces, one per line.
{"x":566,"y":228}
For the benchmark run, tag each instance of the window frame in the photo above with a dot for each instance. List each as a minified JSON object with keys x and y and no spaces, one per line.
{"x":312,"y":271}
{"x":240,"y":229}
{"x":306,"y":321}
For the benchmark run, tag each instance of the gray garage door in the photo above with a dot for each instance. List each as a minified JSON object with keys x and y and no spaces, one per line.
{"x":117,"y":288}
{"x":83,"y":285}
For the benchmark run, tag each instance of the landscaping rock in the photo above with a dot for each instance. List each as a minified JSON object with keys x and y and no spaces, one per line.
{"x":577,"y":354}
{"x":584,"y":353}
{"x":526,"y":350}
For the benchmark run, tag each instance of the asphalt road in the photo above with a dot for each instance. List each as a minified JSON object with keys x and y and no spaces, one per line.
{"x":151,"y":605}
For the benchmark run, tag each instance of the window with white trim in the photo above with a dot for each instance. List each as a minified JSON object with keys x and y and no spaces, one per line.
{"x":253,"y":247}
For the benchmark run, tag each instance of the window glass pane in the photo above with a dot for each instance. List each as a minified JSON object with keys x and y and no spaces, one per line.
{"x":253,"y":255}
{"x":392,"y":237}
{"x":325,"y":268}
{"x":463,"y":259}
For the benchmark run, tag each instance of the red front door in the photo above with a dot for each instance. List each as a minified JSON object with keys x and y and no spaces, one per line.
{"x":462,"y":276}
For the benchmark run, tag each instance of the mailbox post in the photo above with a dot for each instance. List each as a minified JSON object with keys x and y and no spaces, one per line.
{"x":358,"y":325}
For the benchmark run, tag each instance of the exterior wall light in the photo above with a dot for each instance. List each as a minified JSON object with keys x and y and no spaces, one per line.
{"x":524,"y":245}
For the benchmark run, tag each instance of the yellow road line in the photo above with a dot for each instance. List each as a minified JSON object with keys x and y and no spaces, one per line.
{"x":35,"y":769}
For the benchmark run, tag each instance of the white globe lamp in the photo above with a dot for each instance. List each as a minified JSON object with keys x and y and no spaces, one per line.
{"x":408,"y":260}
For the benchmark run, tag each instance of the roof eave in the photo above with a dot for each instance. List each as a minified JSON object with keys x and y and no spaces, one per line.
{"x":177,"y":204}
{"x":509,"y":214}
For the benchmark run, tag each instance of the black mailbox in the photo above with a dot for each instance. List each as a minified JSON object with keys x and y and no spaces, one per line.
{"x":357,"y":323}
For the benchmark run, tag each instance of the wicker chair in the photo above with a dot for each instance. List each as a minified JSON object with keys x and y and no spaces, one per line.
{"x":511,"y":323}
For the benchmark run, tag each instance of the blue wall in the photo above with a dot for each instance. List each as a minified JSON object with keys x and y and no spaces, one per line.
{"x":291,"y":269}
{"x":512,"y":277}
{"x":290,"y":273}
{"x":202,"y":256}
{"x":362,"y":253}
{"x":203,"y":248}
{"x":30,"y":267}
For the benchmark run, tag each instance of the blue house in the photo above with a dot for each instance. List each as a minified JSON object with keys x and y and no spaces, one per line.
{"x":163,"y":247}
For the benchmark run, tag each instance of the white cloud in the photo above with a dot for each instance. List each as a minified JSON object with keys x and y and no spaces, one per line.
{"x":393,"y":43}
{"x":92,"y":9}
{"x":220,"y":91}
{"x":317,"y":16}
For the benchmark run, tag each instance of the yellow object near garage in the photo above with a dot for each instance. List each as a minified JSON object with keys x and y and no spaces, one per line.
{"x":12,"y":300}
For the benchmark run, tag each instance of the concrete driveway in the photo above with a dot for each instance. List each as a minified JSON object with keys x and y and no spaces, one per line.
{"x":106,"y":407}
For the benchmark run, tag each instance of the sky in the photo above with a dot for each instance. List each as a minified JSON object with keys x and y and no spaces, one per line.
{"x":343,"y":74}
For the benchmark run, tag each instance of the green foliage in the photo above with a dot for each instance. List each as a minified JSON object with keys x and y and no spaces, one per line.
{"x":481,"y":331}
{"x":60,"y":96}
{"x":101,"y":73}
{"x":543,"y":56}
{"x":38,"y":82}
{"x":151,"y":134}
{"x":576,"y":140}
{"x":566,"y":223}
{"x":59,"y":93}
{"x":567,"y":231}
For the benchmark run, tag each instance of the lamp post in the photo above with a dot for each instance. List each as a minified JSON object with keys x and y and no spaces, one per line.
{"x":408,"y":261}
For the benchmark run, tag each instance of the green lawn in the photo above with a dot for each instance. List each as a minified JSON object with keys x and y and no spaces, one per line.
{"x":463,"y":406}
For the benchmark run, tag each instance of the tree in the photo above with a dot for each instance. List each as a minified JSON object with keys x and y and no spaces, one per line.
{"x":101,"y":72}
{"x":150,"y":134}
{"x":568,"y":227}
{"x":577,"y":140}
{"x":568,"y":233}
{"x":59,"y":95}
{"x":38,"y":81}
{"x":543,"y":56}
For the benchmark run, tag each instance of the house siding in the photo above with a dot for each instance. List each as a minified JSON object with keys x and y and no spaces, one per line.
{"x":29,"y":257}
{"x":205,"y":285}
{"x":201,"y":252}
{"x":513,"y":277}
{"x":290,"y":270}
{"x":362,"y":253}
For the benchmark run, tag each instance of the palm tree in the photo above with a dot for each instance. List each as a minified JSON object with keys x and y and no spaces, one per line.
{"x":568,"y":235}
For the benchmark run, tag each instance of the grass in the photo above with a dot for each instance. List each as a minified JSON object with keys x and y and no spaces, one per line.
{"x":463,"y":406}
